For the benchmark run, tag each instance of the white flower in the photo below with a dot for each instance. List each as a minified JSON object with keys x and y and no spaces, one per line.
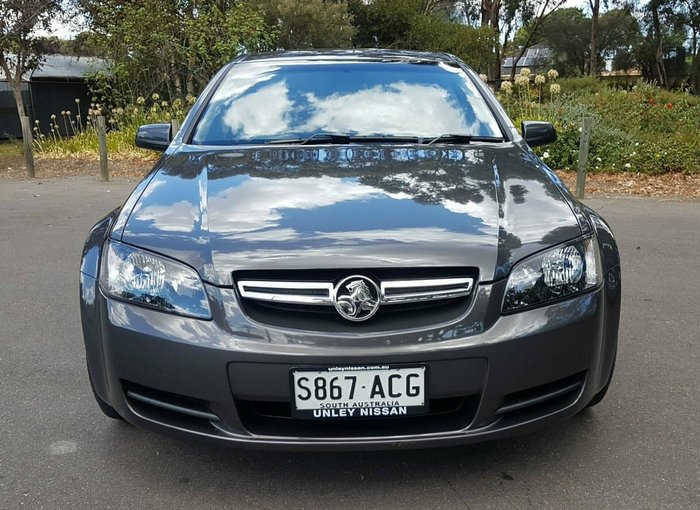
{"x":155,"y":97}
{"x":522,"y":80}
{"x":507,"y":87}
{"x":483,"y":77}
{"x":525,"y":71}
{"x":140,"y":100}
{"x":552,"y":74}
{"x":598,"y":160}
{"x":627,"y":165}
{"x":555,"y":88}
{"x":540,"y":79}
{"x":545,"y":155}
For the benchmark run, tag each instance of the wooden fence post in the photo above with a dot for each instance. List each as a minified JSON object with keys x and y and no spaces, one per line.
{"x":28,"y":149}
{"x":102,"y":138}
{"x":583,"y":157}
{"x":174,"y":128}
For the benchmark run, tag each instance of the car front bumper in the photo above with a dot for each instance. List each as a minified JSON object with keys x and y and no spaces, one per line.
{"x":225,"y":381}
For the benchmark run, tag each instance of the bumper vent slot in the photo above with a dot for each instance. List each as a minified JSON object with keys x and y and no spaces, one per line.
{"x":171,"y":409}
{"x":555,"y":395}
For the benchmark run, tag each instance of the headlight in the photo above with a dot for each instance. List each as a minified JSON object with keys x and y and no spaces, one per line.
{"x":560,"y":272}
{"x":153,"y":281}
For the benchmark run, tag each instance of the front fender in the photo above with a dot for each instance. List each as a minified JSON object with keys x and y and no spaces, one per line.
{"x":613,"y":291}
{"x":92,"y":250}
{"x":89,"y":310}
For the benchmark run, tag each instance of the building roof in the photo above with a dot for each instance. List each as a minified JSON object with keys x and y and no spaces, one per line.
{"x":64,"y":67}
{"x":534,"y":56}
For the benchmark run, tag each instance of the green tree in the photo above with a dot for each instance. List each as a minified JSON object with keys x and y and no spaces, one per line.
{"x":421,"y":25}
{"x":383,"y":23}
{"x":304,"y":24}
{"x":566,"y":32}
{"x":172,"y":46}
{"x":21,"y":50}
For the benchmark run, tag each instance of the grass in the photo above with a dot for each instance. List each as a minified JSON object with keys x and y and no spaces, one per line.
{"x":11,"y":148}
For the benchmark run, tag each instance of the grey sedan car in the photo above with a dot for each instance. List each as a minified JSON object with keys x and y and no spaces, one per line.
{"x":349,"y":250}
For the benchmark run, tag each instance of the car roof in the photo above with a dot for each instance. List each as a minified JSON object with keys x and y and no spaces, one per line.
{"x":352,"y":55}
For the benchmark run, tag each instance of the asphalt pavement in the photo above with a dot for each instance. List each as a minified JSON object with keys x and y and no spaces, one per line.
{"x":640,"y":448}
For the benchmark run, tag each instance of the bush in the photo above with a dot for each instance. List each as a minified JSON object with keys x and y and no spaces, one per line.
{"x":122,"y":124}
{"x":645,"y":129}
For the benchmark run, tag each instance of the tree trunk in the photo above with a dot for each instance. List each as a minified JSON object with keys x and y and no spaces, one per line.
{"x":659,"y":66}
{"x":595,"y":12}
{"x":695,"y":74}
{"x":490,"y":13}
{"x":19,"y":100}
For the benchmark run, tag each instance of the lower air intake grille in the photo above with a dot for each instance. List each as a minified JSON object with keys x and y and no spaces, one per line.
{"x":275,"y":419}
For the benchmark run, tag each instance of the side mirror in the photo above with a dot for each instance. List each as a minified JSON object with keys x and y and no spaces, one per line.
{"x":538,"y":133}
{"x":154,"y":136}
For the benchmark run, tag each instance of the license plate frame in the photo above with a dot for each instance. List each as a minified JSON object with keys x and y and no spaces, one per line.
{"x":363,"y":408}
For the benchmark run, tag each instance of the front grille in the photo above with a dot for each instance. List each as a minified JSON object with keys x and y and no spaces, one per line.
{"x":275,"y":419}
{"x":321,"y":293}
{"x":407,"y":297}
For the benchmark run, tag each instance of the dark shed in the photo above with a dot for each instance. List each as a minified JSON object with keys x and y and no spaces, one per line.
{"x":51,"y":89}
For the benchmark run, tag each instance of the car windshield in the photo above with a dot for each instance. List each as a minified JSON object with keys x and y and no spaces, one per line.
{"x":273,"y":101}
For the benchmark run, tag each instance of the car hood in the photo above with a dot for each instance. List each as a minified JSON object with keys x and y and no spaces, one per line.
{"x":483,"y":206}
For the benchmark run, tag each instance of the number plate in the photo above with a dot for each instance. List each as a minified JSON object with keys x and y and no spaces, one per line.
{"x":359,"y":391}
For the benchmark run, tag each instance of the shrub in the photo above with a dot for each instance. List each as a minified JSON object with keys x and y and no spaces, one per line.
{"x":645,"y":129}
{"x":122,"y":124}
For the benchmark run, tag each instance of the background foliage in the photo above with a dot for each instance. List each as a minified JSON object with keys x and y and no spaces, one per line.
{"x":163,"y":52}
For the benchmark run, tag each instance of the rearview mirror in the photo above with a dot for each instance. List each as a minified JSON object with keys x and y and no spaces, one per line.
{"x":538,"y":133}
{"x":154,"y":136}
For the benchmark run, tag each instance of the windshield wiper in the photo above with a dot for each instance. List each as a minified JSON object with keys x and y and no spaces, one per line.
{"x":321,"y":137}
{"x":316,"y":137}
{"x":453,"y":138}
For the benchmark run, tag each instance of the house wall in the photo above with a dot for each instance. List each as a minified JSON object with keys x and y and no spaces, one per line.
{"x":42,"y":98}
{"x":53,"y":97}
{"x":9,"y":120}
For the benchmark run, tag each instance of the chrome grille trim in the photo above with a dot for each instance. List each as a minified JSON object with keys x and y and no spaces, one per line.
{"x":321,"y":293}
{"x":411,"y":291}
{"x":283,"y":292}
